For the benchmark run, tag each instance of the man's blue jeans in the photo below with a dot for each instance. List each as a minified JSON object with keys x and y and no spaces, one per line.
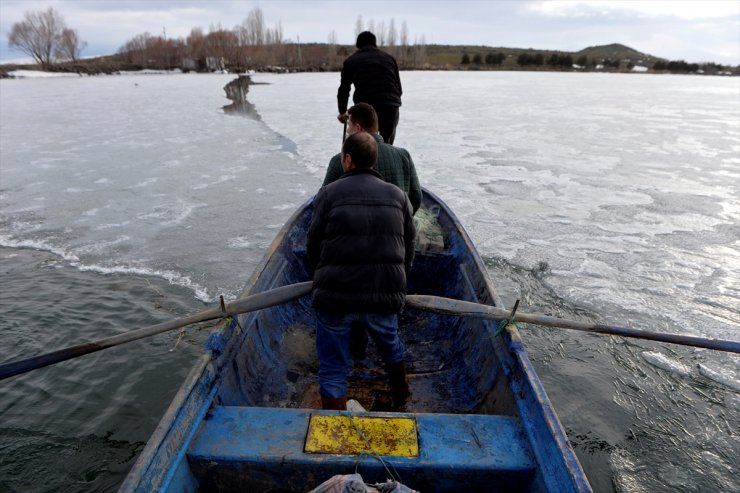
{"x":332,"y":345}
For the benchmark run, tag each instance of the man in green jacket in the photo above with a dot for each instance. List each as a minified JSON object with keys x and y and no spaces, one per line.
{"x":394,"y":163}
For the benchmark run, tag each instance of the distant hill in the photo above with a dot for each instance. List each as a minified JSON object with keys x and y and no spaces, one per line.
{"x":617,"y":51}
{"x":613,"y":57}
{"x":451,"y":55}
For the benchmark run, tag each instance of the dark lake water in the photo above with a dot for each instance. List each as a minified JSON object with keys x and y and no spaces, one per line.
{"x":129,"y":200}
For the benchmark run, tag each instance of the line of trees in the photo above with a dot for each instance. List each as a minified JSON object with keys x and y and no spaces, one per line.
{"x":559,"y":61}
{"x":682,"y":67}
{"x":491,"y":59}
{"x":253,"y":45}
{"x":249,"y":43}
{"x":564,"y":61}
{"x":396,"y":41}
{"x":45,"y":37}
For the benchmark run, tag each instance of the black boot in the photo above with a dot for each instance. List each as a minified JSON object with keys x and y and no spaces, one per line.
{"x":399,"y":386}
{"x":332,"y":404}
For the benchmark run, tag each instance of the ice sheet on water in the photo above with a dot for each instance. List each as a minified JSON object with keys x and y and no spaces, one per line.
{"x":628,"y":477}
{"x":722,"y":376}
{"x":660,"y":360}
{"x":239,"y":242}
{"x":170,"y":214}
{"x":38,"y":74}
{"x":172,"y":277}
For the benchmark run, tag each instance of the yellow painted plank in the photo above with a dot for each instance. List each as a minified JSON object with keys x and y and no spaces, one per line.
{"x":352,"y":435}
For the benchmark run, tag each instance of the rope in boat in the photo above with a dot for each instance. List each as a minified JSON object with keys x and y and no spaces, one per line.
{"x":375,"y":454}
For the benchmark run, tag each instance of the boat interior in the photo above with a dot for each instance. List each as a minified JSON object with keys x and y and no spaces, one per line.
{"x":452,"y":361}
{"x":472,"y":408}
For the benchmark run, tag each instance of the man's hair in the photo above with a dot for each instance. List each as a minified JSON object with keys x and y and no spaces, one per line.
{"x":362,"y":148}
{"x":365,"y":38}
{"x":364,"y":115}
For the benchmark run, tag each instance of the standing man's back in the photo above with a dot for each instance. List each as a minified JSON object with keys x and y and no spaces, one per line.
{"x":360,"y":244}
{"x":374,"y":74}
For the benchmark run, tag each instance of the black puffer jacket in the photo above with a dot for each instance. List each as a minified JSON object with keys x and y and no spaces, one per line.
{"x":361,"y":244}
{"x":375,"y":76}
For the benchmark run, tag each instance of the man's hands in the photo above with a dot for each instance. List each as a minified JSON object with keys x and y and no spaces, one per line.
{"x":343,"y":117}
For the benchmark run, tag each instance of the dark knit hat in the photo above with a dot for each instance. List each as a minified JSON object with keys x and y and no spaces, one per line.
{"x":366,"y":38}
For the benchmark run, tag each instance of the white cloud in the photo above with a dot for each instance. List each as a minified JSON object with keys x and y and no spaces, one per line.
{"x":691,"y":30}
{"x":689,"y":10}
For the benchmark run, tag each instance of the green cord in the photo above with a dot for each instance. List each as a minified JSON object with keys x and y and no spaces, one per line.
{"x":507,"y":321}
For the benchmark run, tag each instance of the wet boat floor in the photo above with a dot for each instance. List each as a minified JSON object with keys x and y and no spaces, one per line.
{"x":430,"y":376}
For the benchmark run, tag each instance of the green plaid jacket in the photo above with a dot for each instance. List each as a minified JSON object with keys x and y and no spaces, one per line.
{"x":394,"y":163}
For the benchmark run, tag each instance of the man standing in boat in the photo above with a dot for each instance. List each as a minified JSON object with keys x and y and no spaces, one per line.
{"x":361,"y":245}
{"x":396,"y":167}
{"x":374,"y":74}
{"x":394,"y":163}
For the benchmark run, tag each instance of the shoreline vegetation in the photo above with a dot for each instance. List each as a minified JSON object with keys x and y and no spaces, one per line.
{"x":252,"y":46}
{"x":323,"y":57}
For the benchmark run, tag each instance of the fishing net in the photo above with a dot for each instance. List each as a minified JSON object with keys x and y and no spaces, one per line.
{"x":429,"y":234}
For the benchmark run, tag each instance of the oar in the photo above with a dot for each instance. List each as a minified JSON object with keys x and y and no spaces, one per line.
{"x":467,"y":308}
{"x":250,"y":303}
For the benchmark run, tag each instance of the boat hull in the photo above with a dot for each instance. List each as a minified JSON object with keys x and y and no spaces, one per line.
{"x":481,"y":418}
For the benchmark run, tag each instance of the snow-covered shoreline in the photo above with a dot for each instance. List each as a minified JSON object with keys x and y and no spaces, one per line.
{"x":40,"y":74}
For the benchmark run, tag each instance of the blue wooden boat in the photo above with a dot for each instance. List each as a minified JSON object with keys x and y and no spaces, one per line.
{"x":479,"y":417}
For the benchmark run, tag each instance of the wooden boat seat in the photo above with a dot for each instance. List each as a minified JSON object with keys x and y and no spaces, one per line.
{"x":455,"y":452}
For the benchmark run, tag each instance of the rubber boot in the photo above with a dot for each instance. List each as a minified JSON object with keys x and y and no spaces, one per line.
{"x":399,"y":386}
{"x":332,"y":404}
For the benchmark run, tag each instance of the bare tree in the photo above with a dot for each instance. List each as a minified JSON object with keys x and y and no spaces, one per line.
{"x":136,"y":50}
{"x":254,"y":26}
{"x":70,"y":46}
{"x":332,"y":41}
{"x":380,"y":33}
{"x":404,"y":42}
{"x":195,"y":43}
{"x":38,"y":35}
{"x":359,"y":26}
{"x":274,"y":36}
{"x":392,"y":33}
{"x":274,"y":43}
{"x":420,"y":52}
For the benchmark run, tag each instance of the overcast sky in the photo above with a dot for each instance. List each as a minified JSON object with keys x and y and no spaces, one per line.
{"x":695,"y":31}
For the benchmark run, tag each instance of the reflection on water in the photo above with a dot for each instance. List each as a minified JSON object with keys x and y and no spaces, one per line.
{"x":237,"y":91}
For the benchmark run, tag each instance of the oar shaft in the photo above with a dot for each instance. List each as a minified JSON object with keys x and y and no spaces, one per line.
{"x":467,"y":308}
{"x":250,"y":303}
{"x":18,"y":367}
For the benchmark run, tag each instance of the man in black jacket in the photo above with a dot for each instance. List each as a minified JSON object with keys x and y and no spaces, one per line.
{"x":375,"y":76}
{"x":361,"y":245}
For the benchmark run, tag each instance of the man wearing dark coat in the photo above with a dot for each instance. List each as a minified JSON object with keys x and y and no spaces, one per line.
{"x":361,"y":246}
{"x":374,"y":74}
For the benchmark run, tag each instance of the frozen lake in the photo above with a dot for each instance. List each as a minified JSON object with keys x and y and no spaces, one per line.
{"x":613,"y":198}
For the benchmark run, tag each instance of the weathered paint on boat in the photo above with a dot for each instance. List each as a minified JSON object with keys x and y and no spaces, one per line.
{"x":482,"y":418}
